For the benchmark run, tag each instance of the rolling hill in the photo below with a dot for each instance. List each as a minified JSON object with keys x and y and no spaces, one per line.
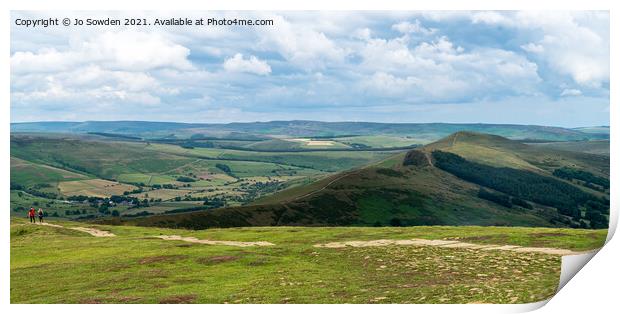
{"x":466,"y":178}
{"x":422,"y":132}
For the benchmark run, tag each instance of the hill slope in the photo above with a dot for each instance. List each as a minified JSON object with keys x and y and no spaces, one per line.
{"x":423,"y":188}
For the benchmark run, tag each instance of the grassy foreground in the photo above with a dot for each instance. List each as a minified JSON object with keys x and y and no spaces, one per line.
{"x":55,"y":265}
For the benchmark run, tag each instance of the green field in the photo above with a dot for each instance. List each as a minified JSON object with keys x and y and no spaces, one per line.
{"x":384,"y":140}
{"x":326,"y":161}
{"x":57,"y":265}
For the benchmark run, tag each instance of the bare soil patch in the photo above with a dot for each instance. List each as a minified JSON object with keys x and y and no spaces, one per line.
{"x":161,"y":259}
{"x":216,"y":259}
{"x":92,"y":231}
{"x":448,"y":244}
{"x":179,"y":299}
{"x":214,"y":242}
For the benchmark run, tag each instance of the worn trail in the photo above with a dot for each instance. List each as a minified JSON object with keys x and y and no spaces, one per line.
{"x":214,"y":242}
{"x":92,"y":231}
{"x":449,"y":244}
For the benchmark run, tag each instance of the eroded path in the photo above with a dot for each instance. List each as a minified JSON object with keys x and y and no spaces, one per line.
{"x":449,"y":244}
{"x":214,"y":242}
{"x":371,"y":243}
{"x":101,"y":233}
{"x":92,"y":231}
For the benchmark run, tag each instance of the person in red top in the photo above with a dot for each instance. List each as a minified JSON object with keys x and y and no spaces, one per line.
{"x":31,"y":214}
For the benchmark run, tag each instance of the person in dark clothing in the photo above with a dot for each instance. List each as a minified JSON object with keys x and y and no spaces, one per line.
{"x":40,"y":215}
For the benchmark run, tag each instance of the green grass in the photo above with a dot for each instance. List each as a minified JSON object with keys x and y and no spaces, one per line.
{"x":103,"y":159}
{"x":381,"y":141}
{"x":28,"y":174}
{"x":64,"y":266}
{"x":592,"y":147}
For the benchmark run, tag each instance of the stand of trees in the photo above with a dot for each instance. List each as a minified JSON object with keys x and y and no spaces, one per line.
{"x":526,"y":185}
{"x":503,"y":199}
{"x":572,"y":173}
{"x":497,"y":198}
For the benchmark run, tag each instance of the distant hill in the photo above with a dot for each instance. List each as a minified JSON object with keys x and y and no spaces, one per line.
{"x":466,"y":178}
{"x":426,"y":132}
{"x":600,"y":147}
{"x":603,"y":129}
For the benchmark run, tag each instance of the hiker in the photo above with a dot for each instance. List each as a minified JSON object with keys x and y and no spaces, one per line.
{"x":31,"y":215}
{"x":40,"y":215}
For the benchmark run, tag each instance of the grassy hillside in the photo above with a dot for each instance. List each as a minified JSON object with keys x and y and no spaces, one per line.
{"x":136,"y":267}
{"x":411,"y":190}
{"x":33,"y":175}
{"x":591,"y":147}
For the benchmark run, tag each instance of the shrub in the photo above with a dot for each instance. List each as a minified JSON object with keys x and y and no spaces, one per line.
{"x":497,"y":198}
{"x":185,"y":179}
{"x":395,"y":222}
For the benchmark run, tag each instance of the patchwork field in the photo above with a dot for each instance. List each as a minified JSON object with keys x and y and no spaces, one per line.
{"x":80,"y":165}
{"x":317,"y":143}
{"x":94,"y":187}
{"x":135,"y":266}
{"x":383,"y":140}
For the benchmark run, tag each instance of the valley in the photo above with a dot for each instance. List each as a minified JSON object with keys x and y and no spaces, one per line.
{"x":260,"y":179}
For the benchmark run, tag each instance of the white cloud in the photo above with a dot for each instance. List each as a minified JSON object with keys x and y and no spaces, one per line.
{"x":251,"y":65}
{"x":533,"y":48}
{"x":570,"y":92}
{"x":407,"y":27}
{"x":127,"y":50}
{"x":301,"y":45}
{"x":572,"y":43}
{"x":440,"y":71}
{"x":363,"y":33}
{"x":490,"y":17}
{"x":104,"y":69}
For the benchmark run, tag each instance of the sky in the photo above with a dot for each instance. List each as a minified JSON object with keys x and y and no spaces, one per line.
{"x":522,"y":67}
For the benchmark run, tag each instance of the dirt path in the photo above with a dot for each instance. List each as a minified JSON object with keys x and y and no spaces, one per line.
{"x":449,"y":244}
{"x":213,"y":242}
{"x":92,"y":231}
{"x":456,"y":135}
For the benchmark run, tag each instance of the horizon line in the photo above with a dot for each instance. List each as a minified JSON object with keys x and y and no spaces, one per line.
{"x":300,"y":120}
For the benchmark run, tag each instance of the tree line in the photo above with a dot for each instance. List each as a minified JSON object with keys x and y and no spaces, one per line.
{"x":526,"y":185}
